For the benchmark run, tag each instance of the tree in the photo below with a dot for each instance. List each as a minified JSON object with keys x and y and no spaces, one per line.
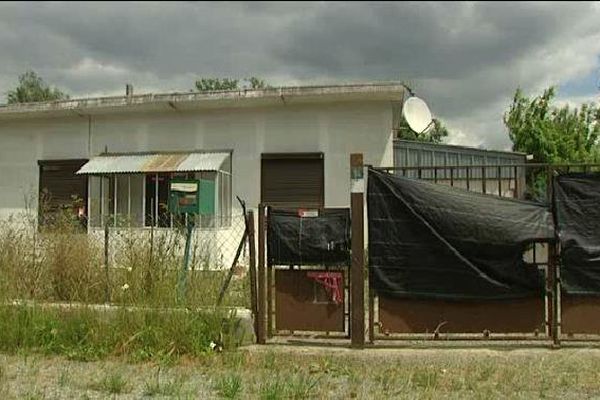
{"x":32,"y":88}
{"x":435,"y":134}
{"x":552,"y":134}
{"x":217,"y":84}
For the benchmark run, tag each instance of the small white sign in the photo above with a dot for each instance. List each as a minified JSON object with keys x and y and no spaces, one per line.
{"x":184,"y":187}
{"x":357,"y":186}
{"x":308,"y":213}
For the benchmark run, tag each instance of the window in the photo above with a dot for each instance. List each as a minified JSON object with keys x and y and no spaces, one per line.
{"x":141,"y":200}
{"x":61,"y":189}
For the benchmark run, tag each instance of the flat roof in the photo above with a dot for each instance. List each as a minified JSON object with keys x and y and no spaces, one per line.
{"x":187,"y":101}
{"x":415,"y":144}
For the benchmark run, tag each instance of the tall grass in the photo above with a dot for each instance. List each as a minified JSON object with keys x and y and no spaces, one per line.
{"x":61,"y":263}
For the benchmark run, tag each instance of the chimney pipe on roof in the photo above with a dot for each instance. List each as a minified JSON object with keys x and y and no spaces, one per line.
{"x":129,"y":90}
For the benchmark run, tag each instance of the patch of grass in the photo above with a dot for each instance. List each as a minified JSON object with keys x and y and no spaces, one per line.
{"x":301,"y":387}
{"x":425,"y":378}
{"x":159,"y":387}
{"x":64,"y":378}
{"x":86,"y":334}
{"x":272,"y":389}
{"x":229,"y":386}
{"x":112,"y":383}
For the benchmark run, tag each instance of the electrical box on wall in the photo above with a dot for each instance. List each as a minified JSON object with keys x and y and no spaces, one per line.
{"x":192,"y":196}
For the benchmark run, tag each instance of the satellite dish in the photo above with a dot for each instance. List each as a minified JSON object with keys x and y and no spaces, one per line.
{"x":417,"y":114}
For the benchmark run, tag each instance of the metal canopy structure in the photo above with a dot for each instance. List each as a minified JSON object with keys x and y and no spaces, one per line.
{"x":154,"y":163}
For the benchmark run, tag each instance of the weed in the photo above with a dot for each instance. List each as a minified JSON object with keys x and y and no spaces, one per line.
{"x":229,"y":386}
{"x":158,"y":387}
{"x":425,"y":378}
{"x":301,"y":387}
{"x":272,"y":389}
{"x":64,"y":378}
{"x":113,"y":383}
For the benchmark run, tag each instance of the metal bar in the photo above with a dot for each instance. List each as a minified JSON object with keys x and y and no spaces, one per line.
{"x":186,"y":262}
{"x":232,"y":268}
{"x":483,"y":180}
{"x":236,"y":258}
{"x":435,"y":175}
{"x":106,"y":262}
{"x":499,"y":172}
{"x":115,"y":200}
{"x":155,"y":198}
{"x":468,"y":178}
{"x":128,"y":200}
{"x":516,"y":194}
{"x":357,"y":267}
{"x":553,"y":263}
{"x":261,"y":337}
{"x":252,"y":271}
{"x":451,"y":176}
{"x":552,"y":267}
{"x":144,"y":212}
{"x":371,"y":310}
{"x":102,"y":201}
{"x":528,"y":165}
{"x":89,"y":204}
{"x":270,"y":308}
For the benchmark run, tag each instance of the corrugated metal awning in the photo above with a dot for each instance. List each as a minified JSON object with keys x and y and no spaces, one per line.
{"x":157,"y":162}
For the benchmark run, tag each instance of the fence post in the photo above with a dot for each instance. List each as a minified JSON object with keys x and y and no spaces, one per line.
{"x":252,"y":272}
{"x":106,"y":244}
{"x":357,"y":274}
{"x":262,"y":293}
{"x":553,"y":263}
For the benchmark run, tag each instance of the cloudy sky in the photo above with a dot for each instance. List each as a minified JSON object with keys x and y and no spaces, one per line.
{"x":464,"y":59}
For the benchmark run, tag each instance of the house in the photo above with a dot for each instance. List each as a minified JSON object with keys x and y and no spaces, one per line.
{"x":284,"y":146}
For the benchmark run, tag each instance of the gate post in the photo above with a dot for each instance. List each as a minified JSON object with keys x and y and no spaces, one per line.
{"x":252,"y":271}
{"x":357,"y":271}
{"x":262,"y":292}
{"x":553,"y":262}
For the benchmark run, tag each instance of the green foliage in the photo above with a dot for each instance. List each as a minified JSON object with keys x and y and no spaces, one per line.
{"x":435,"y":134}
{"x":32,"y":88}
{"x":553,"y":134}
{"x":218,"y":84}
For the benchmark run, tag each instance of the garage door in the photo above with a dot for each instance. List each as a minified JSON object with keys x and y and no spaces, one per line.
{"x":292,"y":180}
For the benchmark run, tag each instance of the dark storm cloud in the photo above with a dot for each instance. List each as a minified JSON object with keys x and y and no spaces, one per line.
{"x":466,"y":59}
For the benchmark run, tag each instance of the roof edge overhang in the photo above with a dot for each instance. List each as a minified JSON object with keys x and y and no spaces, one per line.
{"x":379,"y":91}
{"x":159,"y":162}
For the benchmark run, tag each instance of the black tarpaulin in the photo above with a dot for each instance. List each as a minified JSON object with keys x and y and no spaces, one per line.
{"x":577,"y":204}
{"x":308,"y":240}
{"x":434,"y":241}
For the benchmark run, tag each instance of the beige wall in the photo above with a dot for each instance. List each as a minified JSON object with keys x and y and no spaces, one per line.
{"x":334,"y":129}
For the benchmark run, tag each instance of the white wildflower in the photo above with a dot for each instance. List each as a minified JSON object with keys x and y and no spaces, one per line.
{"x":129,"y":269}
{"x":212,"y":345}
{"x":125,"y":287}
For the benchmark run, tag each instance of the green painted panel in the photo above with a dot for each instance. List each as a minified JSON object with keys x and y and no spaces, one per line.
{"x":207,"y":197}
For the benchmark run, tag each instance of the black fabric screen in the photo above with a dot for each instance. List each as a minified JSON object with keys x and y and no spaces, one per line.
{"x":434,"y":241}
{"x":296,"y":240}
{"x":577,"y":204}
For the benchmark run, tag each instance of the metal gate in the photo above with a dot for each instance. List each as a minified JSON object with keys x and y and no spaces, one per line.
{"x":304,"y":295}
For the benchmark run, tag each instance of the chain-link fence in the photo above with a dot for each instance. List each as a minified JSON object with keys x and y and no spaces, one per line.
{"x":64,"y":261}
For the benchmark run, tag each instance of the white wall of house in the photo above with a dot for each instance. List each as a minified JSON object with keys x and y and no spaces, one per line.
{"x":336,"y":129}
